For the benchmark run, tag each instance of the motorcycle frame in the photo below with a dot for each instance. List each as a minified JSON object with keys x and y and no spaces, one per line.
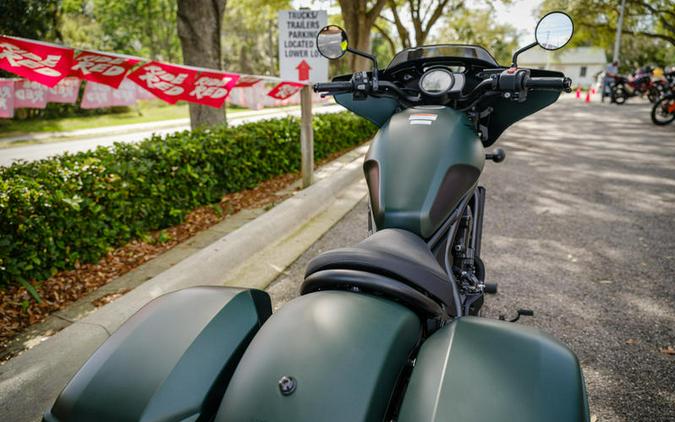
{"x":444,"y":239}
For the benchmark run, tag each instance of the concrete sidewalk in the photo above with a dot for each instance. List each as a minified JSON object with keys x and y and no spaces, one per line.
{"x":251,"y":256}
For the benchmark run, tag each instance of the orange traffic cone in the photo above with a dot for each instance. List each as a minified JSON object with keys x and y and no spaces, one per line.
{"x":578,"y":92}
{"x":588,"y":96}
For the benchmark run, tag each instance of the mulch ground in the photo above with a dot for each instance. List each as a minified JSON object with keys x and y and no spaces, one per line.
{"x":18,"y":310}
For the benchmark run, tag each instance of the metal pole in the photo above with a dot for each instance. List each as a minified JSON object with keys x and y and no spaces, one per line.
{"x":306,"y":136}
{"x":617,"y":38}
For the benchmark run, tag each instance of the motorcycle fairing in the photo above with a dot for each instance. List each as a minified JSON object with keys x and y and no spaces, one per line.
{"x":376,"y":109}
{"x":505,"y":112}
{"x":483,"y":370}
{"x":172,"y":360}
{"x":345,"y":352}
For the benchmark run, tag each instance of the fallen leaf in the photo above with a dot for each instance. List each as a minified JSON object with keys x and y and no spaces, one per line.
{"x":669,"y":350}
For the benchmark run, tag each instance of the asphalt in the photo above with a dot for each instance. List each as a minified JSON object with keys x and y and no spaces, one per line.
{"x":84,"y":140}
{"x":579,"y":227}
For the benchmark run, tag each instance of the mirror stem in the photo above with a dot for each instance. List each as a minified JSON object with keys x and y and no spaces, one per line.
{"x":514,"y":60}
{"x":371,"y":58}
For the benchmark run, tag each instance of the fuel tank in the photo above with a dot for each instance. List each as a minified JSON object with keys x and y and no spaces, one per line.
{"x":419,"y":166}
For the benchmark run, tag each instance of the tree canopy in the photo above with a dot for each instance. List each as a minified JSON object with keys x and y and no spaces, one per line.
{"x":648,"y":28}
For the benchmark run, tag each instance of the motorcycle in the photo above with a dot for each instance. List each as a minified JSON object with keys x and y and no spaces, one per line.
{"x":663,"y":112}
{"x":390,"y":329}
{"x":639,"y":84}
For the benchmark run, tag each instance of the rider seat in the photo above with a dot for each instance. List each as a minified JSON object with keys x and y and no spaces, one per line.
{"x":397,"y":254}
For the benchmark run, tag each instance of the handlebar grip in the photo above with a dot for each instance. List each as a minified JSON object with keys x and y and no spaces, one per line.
{"x":550,"y":83}
{"x":333,"y":86}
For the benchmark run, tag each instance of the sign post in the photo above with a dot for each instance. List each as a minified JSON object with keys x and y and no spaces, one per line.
{"x":300,"y":61}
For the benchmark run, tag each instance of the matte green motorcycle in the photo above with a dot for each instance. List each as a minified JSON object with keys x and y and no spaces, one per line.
{"x":388,"y":330}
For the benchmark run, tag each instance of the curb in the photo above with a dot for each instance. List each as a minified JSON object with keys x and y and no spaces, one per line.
{"x":30,"y":382}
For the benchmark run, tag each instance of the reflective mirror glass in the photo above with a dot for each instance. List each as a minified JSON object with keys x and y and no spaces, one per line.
{"x":554,"y":30}
{"x":332,"y":42}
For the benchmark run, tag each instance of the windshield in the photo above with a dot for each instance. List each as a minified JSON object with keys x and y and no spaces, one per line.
{"x":443,"y":50}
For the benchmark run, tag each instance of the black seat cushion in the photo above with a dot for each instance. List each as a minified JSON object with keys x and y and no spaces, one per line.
{"x":395,"y":253}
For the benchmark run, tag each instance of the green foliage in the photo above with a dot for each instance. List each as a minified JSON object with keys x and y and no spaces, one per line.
{"x":75,"y":207}
{"x":146,"y":28}
{"x":37,"y":19}
{"x":648,"y":28}
{"x":477,"y":26}
{"x":250,"y":36}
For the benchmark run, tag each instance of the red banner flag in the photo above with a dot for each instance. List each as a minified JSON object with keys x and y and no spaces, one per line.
{"x":106,"y":69}
{"x":125,"y":95}
{"x":29,"y":94}
{"x":96,"y":96}
{"x":168,"y":82}
{"x":142,"y":94}
{"x":64,"y":92}
{"x":247,"y":81}
{"x":6,"y":98}
{"x":211,"y":88}
{"x":39,"y":62}
{"x":285,"y":90}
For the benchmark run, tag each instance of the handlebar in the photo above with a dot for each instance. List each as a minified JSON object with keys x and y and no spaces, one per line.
{"x":563,"y":84}
{"x":517,"y":83}
{"x":333,"y":86}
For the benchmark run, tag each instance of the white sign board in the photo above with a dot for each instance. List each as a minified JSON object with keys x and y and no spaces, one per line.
{"x":299,"y":60}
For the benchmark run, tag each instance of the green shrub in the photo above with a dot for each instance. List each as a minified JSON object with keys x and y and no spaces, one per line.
{"x":75,"y":207}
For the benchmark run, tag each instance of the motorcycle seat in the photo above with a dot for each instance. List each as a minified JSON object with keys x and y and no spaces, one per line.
{"x":395,"y":253}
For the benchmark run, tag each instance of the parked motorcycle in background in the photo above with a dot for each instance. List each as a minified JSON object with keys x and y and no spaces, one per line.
{"x":639,"y":84}
{"x":663,"y":112}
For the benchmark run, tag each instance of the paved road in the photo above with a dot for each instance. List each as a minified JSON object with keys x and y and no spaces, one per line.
{"x":579,"y":227}
{"x":44,"y":150}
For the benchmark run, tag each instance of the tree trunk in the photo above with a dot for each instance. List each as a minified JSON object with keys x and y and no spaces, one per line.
{"x":359,"y":20}
{"x":199,"y":24}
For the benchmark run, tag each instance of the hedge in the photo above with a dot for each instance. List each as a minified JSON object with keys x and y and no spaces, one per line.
{"x":75,"y":207}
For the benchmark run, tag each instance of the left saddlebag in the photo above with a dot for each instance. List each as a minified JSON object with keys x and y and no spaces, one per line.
{"x":171,"y":361}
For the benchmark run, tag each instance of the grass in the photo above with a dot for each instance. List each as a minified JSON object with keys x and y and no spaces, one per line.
{"x":145,"y":111}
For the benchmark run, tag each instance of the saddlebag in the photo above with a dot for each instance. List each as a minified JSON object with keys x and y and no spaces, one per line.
{"x":170,"y":361}
{"x":482,"y":370}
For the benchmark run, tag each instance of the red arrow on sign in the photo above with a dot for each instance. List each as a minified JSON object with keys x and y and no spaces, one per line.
{"x":303,"y":71}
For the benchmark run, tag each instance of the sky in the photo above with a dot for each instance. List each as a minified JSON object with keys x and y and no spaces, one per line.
{"x":520,"y":14}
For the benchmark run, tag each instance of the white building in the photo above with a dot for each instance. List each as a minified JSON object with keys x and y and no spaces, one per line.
{"x":582,"y":64}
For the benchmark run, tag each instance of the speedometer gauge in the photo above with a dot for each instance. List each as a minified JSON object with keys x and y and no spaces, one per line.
{"x":436,"y":82}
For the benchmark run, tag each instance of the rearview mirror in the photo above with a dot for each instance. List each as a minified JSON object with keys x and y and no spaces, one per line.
{"x":331,"y":41}
{"x":554,"y":30}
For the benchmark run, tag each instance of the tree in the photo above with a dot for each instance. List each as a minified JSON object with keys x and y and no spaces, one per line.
{"x":250,"y":36}
{"x":359,"y":18}
{"x":477,"y":26}
{"x":141,"y":27}
{"x":648,"y":27}
{"x":36,"y":19}
{"x":199,"y":27}
{"x":423,"y":15}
